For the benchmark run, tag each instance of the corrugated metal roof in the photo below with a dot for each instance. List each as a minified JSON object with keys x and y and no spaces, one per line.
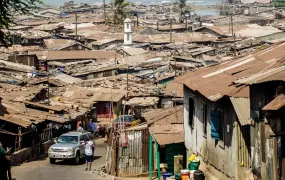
{"x":276,"y":103}
{"x":242,"y":109}
{"x":94,"y":94}
{"x":134,"y":51}
{"x":142,"y":101}
{"x":167,"y":133}
{"x":177,"y":37}
{"x":103,"y":96}
{"x":217,"y":81}
{"x":138,"y":127}
{"x":16,"y":120}
{"x":20,"y":111}
{"x":67,"y":55}
{"x":174,"y":88}
{"x":53,"y":108}
{"x":269,"y":75}
{"x":165,"y":116}
{"x":243,"y":92}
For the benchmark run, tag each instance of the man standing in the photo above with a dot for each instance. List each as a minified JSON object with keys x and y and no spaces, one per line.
{"x":80,"y":128}
{"x":92,"y":127}
{"x":5,"y":169}
{"x":2,"y":150}
{"x":89,"y":153}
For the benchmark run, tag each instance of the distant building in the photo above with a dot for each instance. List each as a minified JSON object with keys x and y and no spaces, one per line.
{"x":128,"y":32}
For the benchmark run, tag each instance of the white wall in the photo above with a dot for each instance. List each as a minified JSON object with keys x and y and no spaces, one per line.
{"x":128,"y":33}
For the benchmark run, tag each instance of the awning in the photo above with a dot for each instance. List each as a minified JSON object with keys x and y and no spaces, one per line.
{"x":275,"y":104}
{"x":242,"y":109}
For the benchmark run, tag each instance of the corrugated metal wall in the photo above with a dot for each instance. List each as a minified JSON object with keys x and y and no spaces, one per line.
{"x":133,"y":160}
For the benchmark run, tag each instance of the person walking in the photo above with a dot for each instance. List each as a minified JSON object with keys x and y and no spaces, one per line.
{"x":89,"y":153}
{"x":80,"y":128}
{"x":92,"y":127}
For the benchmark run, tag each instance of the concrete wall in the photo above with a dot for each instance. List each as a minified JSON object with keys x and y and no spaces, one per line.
{"x":220,"y":154}
{"x":29,"y":154}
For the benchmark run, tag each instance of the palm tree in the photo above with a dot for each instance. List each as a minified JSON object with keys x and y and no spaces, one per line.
{"x":120,"y":11}
{"x":182,"y":5}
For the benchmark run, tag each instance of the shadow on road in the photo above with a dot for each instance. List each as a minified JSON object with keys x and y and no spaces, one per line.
{"x":71,"y":163}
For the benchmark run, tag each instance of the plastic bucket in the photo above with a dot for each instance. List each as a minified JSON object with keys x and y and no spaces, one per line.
{"x":185,"y":174}
{"x":192,"y":174}
{"x":165,"y":175}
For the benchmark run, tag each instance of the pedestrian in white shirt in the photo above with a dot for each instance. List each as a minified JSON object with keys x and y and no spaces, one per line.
{"x":89,"y":153}
{"x":80,"y":128}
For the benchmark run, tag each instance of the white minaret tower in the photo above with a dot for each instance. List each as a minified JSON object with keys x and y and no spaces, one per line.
{"x":128,"y":32}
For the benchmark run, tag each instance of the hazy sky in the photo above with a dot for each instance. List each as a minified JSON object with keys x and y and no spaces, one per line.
{"x":60,"y":2}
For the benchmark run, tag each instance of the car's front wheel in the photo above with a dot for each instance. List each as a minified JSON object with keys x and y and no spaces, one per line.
{"x":51,"y":160}
{"x":77,"y":158}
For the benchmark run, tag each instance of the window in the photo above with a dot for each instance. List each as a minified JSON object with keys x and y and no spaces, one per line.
{"x":217,"y":125}
{"x":205,"y":118}
{"x":128,"y":25}
{"x":191,"y":112}
{"x":68,"y":139}
{"x":128,"y":37}
{"x":90,"y":136}
{"x":83,"y":138}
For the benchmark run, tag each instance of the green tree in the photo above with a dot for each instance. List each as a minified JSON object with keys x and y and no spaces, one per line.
{"x":182,"y":5}
{"x":120,"y":11}
{"x":10,"y":7}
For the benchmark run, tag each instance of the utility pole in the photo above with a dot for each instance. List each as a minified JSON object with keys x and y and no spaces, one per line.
{"x":171,"y":31}
{"x":156,"y":24}
{"x":186,"y":24}
{"x":232,"y":25}
{"x":128,"y":82}
{"x":104,"y":9}
{"x":235,"y":44}
{"x":175,"y":67}
{"x":47,"y":71}
{"x":137,"y":20}
{"x":76,"y":25}
{"x":229,"y":24}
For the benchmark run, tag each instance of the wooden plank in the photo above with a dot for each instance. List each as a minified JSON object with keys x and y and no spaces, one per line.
{"x":283,"y":168}
{"x":275,"y":160}
{"x":237,"y":141}
{"x":114,"y":158}
{"x":262,"y":139}
{"x":243,"y":145}
{"x":247,"y":147}
{"x":178,"y":163}
{"x":239,"y":145}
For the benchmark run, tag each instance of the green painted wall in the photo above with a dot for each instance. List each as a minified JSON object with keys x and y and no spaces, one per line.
{"x":172,"y":150}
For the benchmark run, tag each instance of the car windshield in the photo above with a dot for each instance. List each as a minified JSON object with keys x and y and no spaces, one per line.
{"x":126,"y":119}
{"x":68,"y":139}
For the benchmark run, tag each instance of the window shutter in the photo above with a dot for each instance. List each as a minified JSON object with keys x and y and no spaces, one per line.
{"x":215,"y":125}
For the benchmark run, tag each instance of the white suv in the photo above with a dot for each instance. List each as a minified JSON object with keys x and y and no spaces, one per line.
{"x":69,"y":146}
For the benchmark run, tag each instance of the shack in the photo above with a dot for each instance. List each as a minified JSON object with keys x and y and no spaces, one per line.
{"x":167,"y":131}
